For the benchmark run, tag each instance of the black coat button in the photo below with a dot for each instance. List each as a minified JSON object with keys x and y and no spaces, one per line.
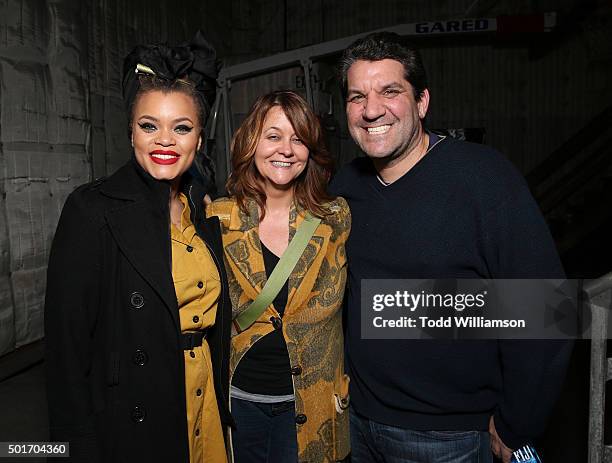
{"x":196,"y":319}
{"x":189,"y":248}
{"x":199,"y":392}
{"x":200,"y":284}
{"x":197,"y":432}
{"x":300,"y":419}
{"x":138,"y":414}
{"x":137,"y":300}
{"x":277,"y":322}
{"x":296,"y":370}
{"x":192,"y":354}
{"x":140,"y":357}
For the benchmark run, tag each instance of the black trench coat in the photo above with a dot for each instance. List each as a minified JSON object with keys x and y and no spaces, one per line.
{"x":115,"y":367}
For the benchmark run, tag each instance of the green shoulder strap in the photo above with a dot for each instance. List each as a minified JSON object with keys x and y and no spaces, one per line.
{"x":280,"y":274}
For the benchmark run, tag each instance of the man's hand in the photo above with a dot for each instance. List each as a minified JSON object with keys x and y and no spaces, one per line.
{"x":498,"y":448}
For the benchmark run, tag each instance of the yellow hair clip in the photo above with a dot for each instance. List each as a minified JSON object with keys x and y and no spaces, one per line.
{"x":144,"y":69}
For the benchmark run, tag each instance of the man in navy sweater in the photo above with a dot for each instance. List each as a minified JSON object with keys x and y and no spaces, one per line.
{"x":425,"y":206}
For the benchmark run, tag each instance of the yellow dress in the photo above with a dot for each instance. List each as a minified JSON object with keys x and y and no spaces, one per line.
{"x":197,"y":287}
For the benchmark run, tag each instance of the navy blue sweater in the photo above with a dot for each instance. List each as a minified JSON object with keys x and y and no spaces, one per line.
{"x":462,"y":212}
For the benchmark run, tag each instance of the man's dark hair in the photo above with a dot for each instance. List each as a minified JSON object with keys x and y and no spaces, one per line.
{"x":386,"y":45}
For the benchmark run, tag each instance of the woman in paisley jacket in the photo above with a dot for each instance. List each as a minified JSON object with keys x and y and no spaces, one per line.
{"x":289,"y":393}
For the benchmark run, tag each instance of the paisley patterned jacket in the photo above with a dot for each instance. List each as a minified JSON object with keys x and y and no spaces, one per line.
{"x":311,"y":324}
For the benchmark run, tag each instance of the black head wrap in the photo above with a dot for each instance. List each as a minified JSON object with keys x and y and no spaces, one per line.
{"x":195,"y":61}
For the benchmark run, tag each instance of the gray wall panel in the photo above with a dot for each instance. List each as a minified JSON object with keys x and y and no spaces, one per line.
{"x":7,"y":315}
{"x":29,"y":294}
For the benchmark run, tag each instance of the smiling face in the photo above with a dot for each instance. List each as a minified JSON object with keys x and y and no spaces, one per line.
{"x":383,"y":116}
{"x":165,"y":133}
{"x":280,"y":155}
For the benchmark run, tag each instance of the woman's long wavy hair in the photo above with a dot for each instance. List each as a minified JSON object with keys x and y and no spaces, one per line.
{"x":245,"y":182}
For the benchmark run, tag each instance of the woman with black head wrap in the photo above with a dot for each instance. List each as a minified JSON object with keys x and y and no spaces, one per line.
{"x":137,"y":311}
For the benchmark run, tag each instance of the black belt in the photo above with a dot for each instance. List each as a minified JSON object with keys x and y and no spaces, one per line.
{"x":192,"y":339}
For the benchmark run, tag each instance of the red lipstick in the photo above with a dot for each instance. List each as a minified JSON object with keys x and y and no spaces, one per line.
{"x":163,"y":159}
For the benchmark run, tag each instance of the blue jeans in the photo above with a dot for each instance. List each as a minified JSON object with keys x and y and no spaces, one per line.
{"x":264,"y":433}
{"x":373,"y":442}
